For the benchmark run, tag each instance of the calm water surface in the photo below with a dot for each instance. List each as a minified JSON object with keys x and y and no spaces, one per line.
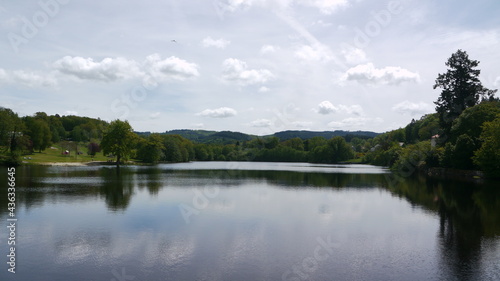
{"x":249,"y":221}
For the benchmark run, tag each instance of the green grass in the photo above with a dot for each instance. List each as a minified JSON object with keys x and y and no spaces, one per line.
{"x":54,"y":154}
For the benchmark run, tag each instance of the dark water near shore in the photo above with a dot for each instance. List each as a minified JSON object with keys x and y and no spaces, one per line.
{"x":248,"y":221}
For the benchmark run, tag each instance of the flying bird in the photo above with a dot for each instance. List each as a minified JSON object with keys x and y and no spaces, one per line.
{"x":173,"y":41}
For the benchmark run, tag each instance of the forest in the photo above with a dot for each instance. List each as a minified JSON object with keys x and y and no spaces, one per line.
{"x":34,"y":134}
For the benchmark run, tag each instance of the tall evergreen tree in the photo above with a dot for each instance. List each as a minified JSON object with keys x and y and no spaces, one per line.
{"x":461,"y":88}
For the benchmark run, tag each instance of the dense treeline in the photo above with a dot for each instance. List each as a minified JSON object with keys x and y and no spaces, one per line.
{"x":472,"y":143}
{"x":29,"y":134}
{"x":174,"y":148}
{"x":464,"y":133}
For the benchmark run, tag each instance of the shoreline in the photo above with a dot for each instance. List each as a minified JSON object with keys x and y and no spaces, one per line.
{"x":430,"y":172}
{"x":454,"y":174}
{"x":68,"y":164}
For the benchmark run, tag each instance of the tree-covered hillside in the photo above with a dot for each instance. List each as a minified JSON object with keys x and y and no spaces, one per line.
{"x":462,"y":134}
{"x":226,"y":137}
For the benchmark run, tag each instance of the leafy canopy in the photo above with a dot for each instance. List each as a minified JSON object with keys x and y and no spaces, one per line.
{"x":119,"y":140}
{"x":461,"y":88}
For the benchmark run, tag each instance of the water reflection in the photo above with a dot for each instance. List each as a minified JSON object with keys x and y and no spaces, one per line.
{"x":467,"y":217}
{"x":117,"y":187}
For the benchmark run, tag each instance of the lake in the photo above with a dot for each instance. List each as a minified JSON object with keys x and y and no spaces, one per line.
{"x":249,"y":221}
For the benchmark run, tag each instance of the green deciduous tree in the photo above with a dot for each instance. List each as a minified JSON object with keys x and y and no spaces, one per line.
{"x":272,"y":142}
{"x":336,"y":150}
{"x":428,"y":127}
{"x":119,"y":140}
{"x":295,"y":143}
{"x":314,"y":142}
{"x":411,"y":157}
{"x":201,"y":152}
{"x":471,"y":120}
{"x":56,"y":128}
{"x":177,"y":149}
{"x":151,"y":149}
{"x":463,"y":152}
{"x":488,"y":156}
{"x":461,"y":88}
{"x":341,"y":150}
{"x":10,"y":129}
{"x":39,"y":131}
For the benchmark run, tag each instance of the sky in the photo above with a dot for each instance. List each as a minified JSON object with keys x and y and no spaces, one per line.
{"x":252,"y":66}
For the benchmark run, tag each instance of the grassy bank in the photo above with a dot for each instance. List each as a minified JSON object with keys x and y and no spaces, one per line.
{"x":54,"y":154}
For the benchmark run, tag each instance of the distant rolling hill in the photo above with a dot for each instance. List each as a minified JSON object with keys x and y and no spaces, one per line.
{"x":225,"y":137}
{"x":203,"y":136}
{"x":285,"y":135}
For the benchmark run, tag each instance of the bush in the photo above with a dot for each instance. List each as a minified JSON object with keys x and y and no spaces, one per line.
{"x":412,"y":156}
{"x":488,"y":156}
{"x":463,"y":152}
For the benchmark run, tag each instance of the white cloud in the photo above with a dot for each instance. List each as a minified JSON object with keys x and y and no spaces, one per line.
{"x":325,"y":6}
{"x":268,"y":49}
{"x":351,"y":109}
{"x":107,"y":70}
{"x":264,"y":89}
{"x":30,"y":79}
{"x":261,"y":123}
{"x":354,"y":123}
{"x":354,"y":55}
{"x":326,"y":107}
{"x":237,"y":71}
{"x":152,"y":70}
{"x":159,"y":69}
{"x":71,"y":112}
{"x":315,"y":52}
{"x":232,"y":5}
{"x":222,"y":112}
{"x":155,"y":115}
{"x":407,"y":107}
{"x":391,"y":75}
{"x":219,"y":43}
{"x":322,"y":23}
{"x":33,"y":79}
{"x":301,"y":124}
{"x":198,"y":125}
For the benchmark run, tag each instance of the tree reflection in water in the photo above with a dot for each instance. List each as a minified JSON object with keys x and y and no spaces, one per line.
{"x":468,"y":214}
